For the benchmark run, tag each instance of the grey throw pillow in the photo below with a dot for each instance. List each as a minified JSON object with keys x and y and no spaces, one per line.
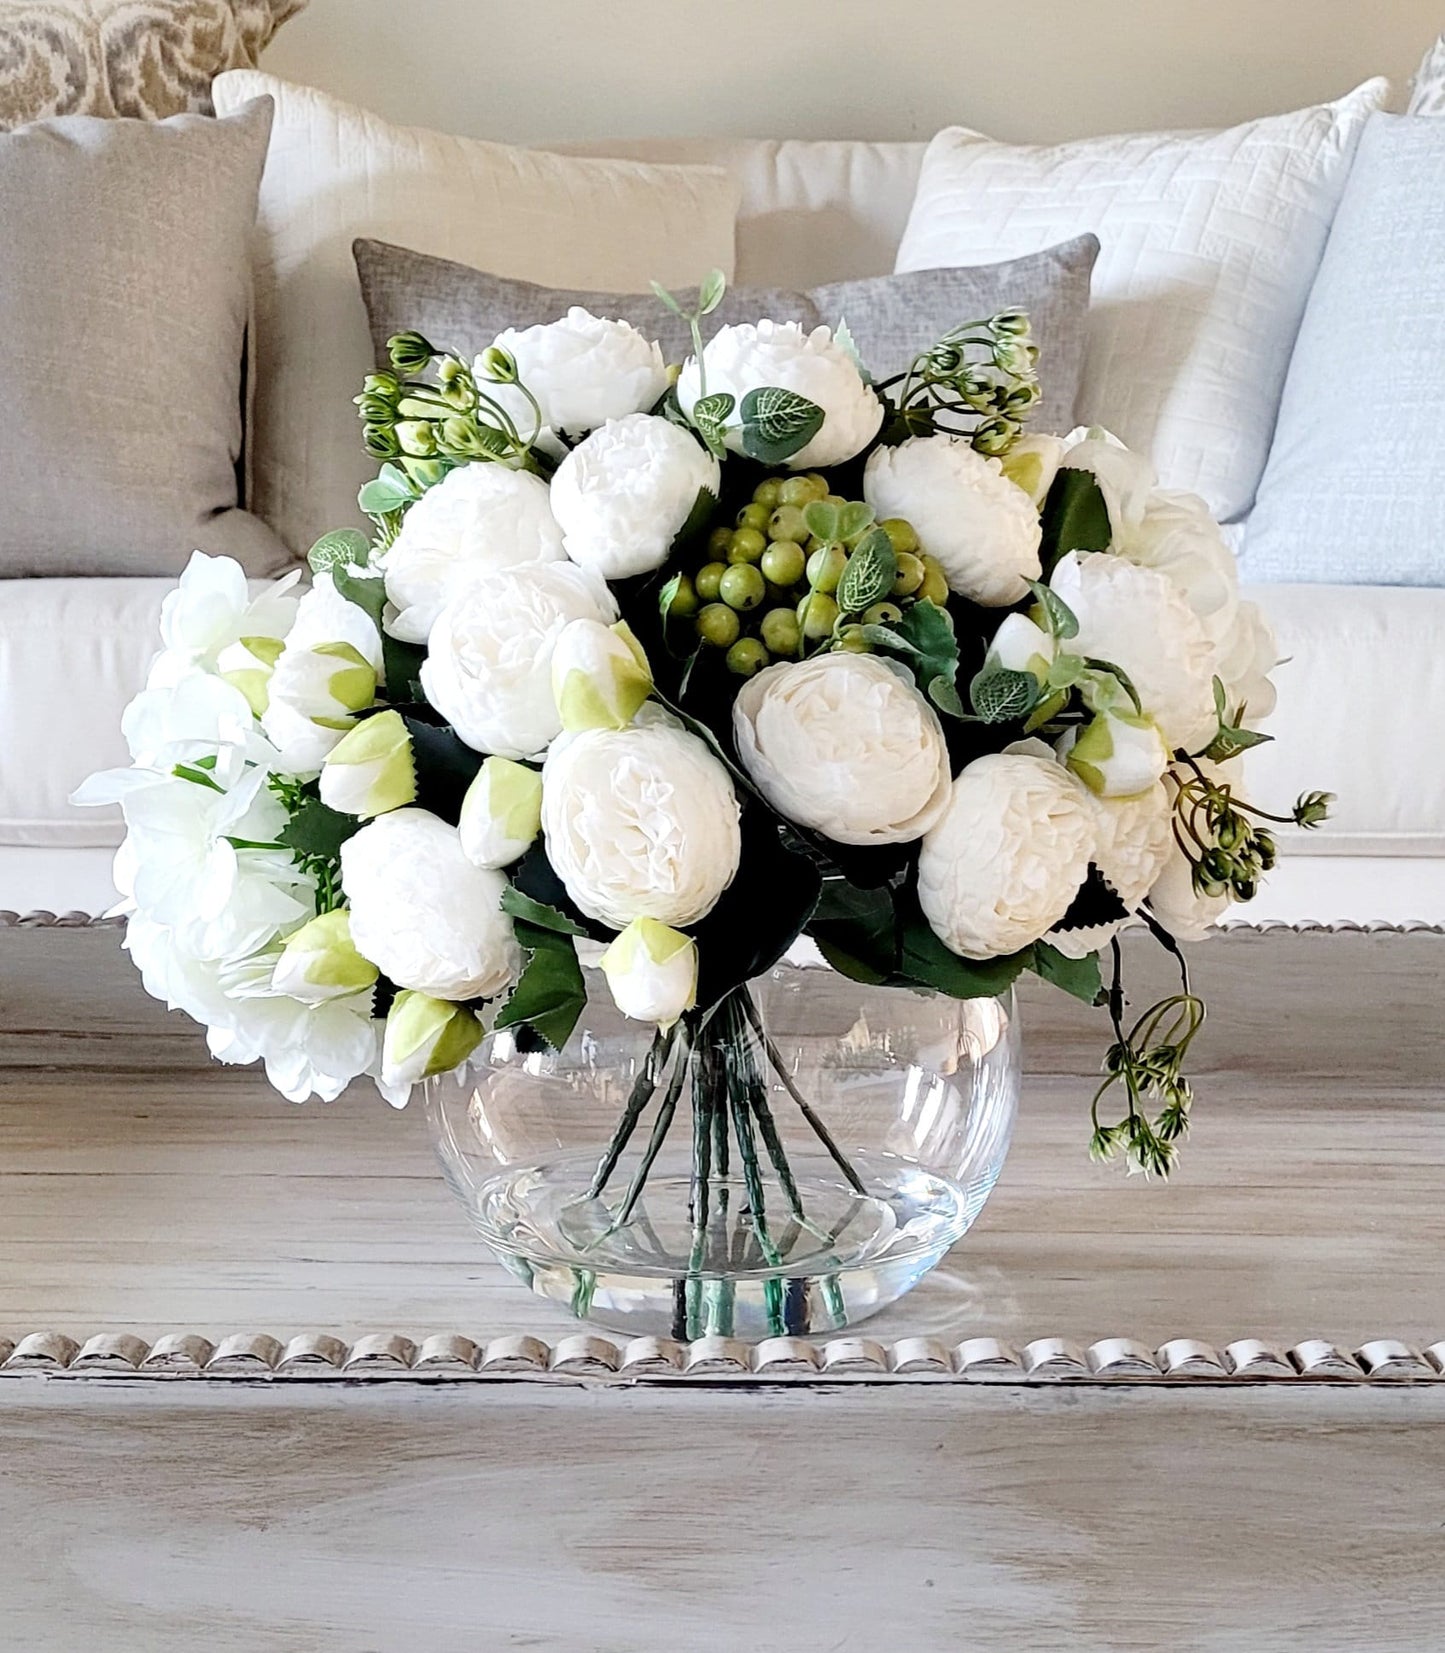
{"x":125,"y":289}
{"x":891,"y":317}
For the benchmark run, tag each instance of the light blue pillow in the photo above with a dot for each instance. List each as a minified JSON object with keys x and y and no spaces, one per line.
{"x":1354,"y":491}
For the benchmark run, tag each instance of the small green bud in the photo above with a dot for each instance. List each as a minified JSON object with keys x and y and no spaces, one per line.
{"x":497,"y":366}
{"x":410,"y":353}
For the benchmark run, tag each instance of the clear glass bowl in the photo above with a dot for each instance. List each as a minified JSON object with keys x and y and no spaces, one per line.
{"x":917,"y":1091}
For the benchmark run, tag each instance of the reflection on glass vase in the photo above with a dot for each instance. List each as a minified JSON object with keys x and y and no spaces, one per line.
{"x":790,"y":1162}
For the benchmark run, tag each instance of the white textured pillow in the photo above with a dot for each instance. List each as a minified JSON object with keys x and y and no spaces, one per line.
{"x":1210,"y":243}
{"x":335,"y":173}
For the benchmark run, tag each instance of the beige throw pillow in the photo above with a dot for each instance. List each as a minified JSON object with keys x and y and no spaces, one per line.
{"x":336,"y":172}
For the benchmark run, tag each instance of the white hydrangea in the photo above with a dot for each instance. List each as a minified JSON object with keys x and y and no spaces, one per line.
{"x":479,"y":520}
{"x":845,"y":744}
{"x":488,"y":669}
{"x":1013,"y":848}
{"x":754,"y":356}
{"x":623,"y":495}
{"x":583,"y":371}
{"x":982,"y":528}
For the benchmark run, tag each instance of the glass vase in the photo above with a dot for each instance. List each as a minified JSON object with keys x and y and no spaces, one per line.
{"x":791,"y":1162}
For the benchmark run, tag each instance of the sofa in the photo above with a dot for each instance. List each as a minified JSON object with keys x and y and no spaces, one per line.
{"x":74,"y":650}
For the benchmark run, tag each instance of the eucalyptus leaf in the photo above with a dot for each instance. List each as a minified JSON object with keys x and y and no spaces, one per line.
{"x":390,"y":490}
{"x":777,"y":423}
{"x":854,"y":519}
{"x":1060,"y":620}
{"x":341,"y":548}
{"x":710,"y":293}
{"x":943,"y":692}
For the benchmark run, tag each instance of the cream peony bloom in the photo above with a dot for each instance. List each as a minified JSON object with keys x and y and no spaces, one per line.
{"x":844,"y":744}
{"x":652,"y":972}
{"x":422,"y":913}
{"x":1246,"y":655}
{"x":1013,"y":848}
{"x":983,"y":529}
{"x":583,"y":370}
{"x":488,"y":669}
{"x":640,"y":822}
{"x":1135,"y":838}
{"x":479,"y":520}
{"x":623,"y":495}
{"x":1135,"y":619}
{"x":1177,"y":536}
{"x":755,"y":356}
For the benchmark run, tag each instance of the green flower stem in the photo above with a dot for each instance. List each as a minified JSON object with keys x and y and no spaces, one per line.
{"x":643,"y":1091}
{"x":702,"y":1129}
{"x":757,"y":1204}
{"x":660,"y":1127}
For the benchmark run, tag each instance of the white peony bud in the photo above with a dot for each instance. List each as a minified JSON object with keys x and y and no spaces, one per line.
{"x":844,"y":744}
{"x":776,"y":353}
{"x":320,"y":962}
{"x":422,"y":913}
{"x":600,"y":676}
{"x":583,"y":370}
{"x":1011,"y":852}
{"x":623,"y":495}
{"x":1021,"y":646}
{"x":652,"y":972}
{"x":1032,"y":463}
{"x":425,"y":1036}
{"x":479,"y":520}
{"x":984,"y":531}
{"x":488,"y":669}
{"x":501,"y":813}
{"x":328,"y":671}
{"x":1118,"y":754}
{"x":371,"y":769}
{"x":640,"y":822}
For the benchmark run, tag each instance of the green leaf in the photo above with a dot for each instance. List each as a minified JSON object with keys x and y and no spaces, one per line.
{"x":777,"y":423}
{"x":550,"y":994}
{"x":925,"y":637}
{"x":710,"y":293}
{"x":856,"y":931}
{"x":924,"y":959}
{"x":823,"y":520}
{"x":401,"y":668}
{"x":318,"y":830}
{"x":545,"y":917}
{"x":709,"y":416}
{"x":697,"y":519}
{"x":666,"y":297}
{"x":445,"y":767}
{"x":843,"y":338}
{"x":1231,"y":740}
{"x":854,"y":519}
{"x":1059,"y":619}
{"x":341,"y":548}
{"x":999,"y":695}
{"x":1074,"y":517}
{"x":943,"y":692}
{"x":869,"y":575}
{"x":390,"y":491}
{"x":1078,"y":977}
{"x":368,"y":593}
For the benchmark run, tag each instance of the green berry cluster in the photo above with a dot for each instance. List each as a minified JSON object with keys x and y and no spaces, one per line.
{"x":769,"y":589}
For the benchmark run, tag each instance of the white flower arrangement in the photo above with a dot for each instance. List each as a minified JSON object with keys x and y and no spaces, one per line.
{"x":690,"y":664}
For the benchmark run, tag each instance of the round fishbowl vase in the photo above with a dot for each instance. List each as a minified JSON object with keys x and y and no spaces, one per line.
{"x":790,"y":1163}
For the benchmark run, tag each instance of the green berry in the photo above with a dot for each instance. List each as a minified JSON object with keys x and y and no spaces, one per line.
{"x":708,"y":578}
{"x":882,"y":614}
{"x":788,"y":523}
{"x":818,"y":614}
{"x":746,"y":545}
{"x":718,"y":542}
{"x":901,"y":535}
{"x":796,"y":491}
{"x":819,"y":485}
{"x":825,"y":567}
{"x":684,"y":600}
{"x":784,"y":562}
{"x":935,"y":583}
{"x":747,"y":656}
{"x":909,"y":576}
{"x":768,"y":492}
{"x":781,"y":631}
{"x":718,"y":625}
{"x":742,"y":587}
{"x":754,"y":516}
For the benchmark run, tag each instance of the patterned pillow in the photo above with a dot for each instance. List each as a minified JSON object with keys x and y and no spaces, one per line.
{"x":1427,"y":90}
{"x":143,"y":58}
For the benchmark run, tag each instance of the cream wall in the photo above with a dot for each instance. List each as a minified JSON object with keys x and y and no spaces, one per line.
{"x":533,"y":70}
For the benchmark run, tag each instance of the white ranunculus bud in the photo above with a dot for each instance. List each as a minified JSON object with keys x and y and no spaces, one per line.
{"x":754,"y":356}
{"x":600,"y":676}
{"x":640,"y":822}
{"x":328,"y":671}
{"x":424,"y":1037}
{"x":1247,"y":653}
{"x":1032,"y":463}
{"x":479,"y":520}
{"x":623,"y":495}
{"x":984,"y":531}
{"x":320,"y":962}
{"x":1135,"y":618}
{"x":1008,"y":857}
{"x":422,"y":913}
{"x":844,"y":744}
{"x":501,"y":813}
{"x":1125,"y":479}
{"x":371,"y":769}
{"x":1021,"y":646}
{"x":1117,"y":754}
{"x":488,"y":669}
{"x":583,"y":371}
{"x":652,"y":972}
{"x":247,"y":665}
{"x":1177,"y":536}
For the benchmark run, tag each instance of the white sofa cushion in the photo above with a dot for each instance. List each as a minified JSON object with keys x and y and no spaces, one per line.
{"x":1210,"y":242}
{"x":335,"y":173}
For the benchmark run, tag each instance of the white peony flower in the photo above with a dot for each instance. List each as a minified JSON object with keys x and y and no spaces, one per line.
{"x":320,"y":962}
{"x":424,"y":1037}
{"x":652,"y":972}
{"x":328,"y":671}
{"x":1118,"y":754}
{"x":640,"y":823}
{"x":583,"y":371}
{"x":1135,"y":618}
{"x":371,"y":769}
{"x":983,"y":529}
{"x":754,"y":356}
{"x":1135,"y":837}
{"x":501,"y":813}
{"x":1125,"y":479}
{"x":601,"y":678}
{"x":1183,"y":911}
{"x":1177,"y":536}
{"x":1247,"y":653}
{"x":479,"y":520}
{"x":422,"y":913}
{"x":623,"y":495}
{"x":1003,"y":865}
{"x":309,"y":1049}
{"x":488,"y":669}
{"x":845,"y":744}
